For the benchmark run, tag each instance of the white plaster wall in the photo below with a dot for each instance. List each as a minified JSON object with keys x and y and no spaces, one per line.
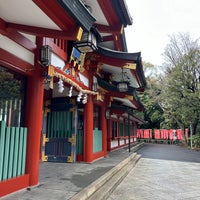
{"x":17,"y":50}
{"x":121,"y":142}
{"x":84,"y":79}
{"x":131,"y":139}
{"x":114,"y":143}
{"x":57,"y":62}
{"x":32,"y":38}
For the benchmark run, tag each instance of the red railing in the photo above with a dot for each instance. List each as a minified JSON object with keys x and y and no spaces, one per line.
{"x":162,"y":134}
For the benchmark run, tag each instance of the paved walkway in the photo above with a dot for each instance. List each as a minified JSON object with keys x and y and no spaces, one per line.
{"x":61,"y":181}
{"x":165,"y":172}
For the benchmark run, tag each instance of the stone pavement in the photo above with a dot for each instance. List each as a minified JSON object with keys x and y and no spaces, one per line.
{"x":165,"y":172}
{"x":61,"y":181}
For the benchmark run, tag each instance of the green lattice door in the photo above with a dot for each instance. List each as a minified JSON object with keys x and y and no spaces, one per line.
{"x":59,"y":131}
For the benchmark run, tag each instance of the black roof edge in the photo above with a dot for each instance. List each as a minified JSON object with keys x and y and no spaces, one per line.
{"x":119,"y":54}
{"x":95,"y":31}
{"x":127,"y":109}
{"x":140,"y":72}
{"x":135,"y":57}
{"x":79,"y":12}
{"x":122,"y":11}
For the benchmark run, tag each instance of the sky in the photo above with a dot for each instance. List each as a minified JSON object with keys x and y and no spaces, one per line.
{"x":155,"y":20}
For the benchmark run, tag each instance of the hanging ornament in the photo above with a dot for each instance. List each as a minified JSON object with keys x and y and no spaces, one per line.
{"x":60,"y":86}
{"x":70,"y":91}
{"x":79,"y":96}
{"x":85,"y":99}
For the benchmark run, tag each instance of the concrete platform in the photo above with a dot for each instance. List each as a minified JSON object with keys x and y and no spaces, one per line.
{"x":62,"y":181}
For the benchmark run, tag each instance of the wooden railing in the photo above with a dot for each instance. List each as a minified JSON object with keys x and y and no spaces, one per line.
{"x":10,"y":111}
{"x":12,"y":151}
{"x":61,"y":43}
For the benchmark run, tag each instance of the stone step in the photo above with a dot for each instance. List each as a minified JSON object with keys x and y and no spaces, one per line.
{"x":104,"y":192}
{"x":103,"y":187}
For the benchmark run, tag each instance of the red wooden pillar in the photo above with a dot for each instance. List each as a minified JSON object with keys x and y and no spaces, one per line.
{"x":134,"y":130}
{"x":109,"y":134}
{"x":34,"y":107}
{"x":88,"y":130}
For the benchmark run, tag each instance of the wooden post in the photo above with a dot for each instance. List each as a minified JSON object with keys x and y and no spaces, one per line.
{"x":88,"y":129}
{"x":34,"y":108}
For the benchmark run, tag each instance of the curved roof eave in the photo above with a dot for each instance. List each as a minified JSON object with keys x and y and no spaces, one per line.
{"x":127,"y":58}
{"x":134,"y":57}
{"x":122,"y":11}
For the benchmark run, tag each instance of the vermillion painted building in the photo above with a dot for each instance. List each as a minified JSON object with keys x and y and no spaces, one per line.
{"x":68,"y":85}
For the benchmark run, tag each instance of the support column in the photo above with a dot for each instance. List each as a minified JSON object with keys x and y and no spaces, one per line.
{"x":34,"y":108}
{"x":109,"y":135}
{"x":88,"y":130}
{"x":134,"y":130}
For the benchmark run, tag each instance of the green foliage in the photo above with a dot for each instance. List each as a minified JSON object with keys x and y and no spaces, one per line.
{"x":152,"y":113}
{"x":172,"y":98}
{"x":195,"y":142}
{"x":181,"y":84}
{"x":9,"y":87}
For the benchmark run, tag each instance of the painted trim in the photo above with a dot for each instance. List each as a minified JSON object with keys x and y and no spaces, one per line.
{"x":13,"y":62}
{"x":17,"y":50}
{"x":112,"y":18}
{"x":63,"y":75}
{"x":109,"y":29}
{"x":22,"y":40}
{"x":108,"y":11}
{"x":16,"y":36}
{"x":56,"y":61}
{"x":120,"y":146}
{"x":98,"y":155}
{"x":57,"y":50}
{"x":14,"y":184}
{"x":72,"y":34}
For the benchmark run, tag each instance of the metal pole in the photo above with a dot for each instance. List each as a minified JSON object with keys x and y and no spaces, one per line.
{"x":129,"y":136}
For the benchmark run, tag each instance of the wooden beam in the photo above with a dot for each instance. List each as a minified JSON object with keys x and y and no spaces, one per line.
{"x":109,"y":60}
{"x":109,"y":29}
{"x":13,"y":62}
{"x":112,"y":19}
{"x":16,"y":36}
{"x":56,"y":13}
{"x":117,"y":42}
{"x":109,"y":12}
{"x":3,"y":29}
{"x":21,"y":40}
{"x":45,"y":32}
{"x":107,"y":38}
